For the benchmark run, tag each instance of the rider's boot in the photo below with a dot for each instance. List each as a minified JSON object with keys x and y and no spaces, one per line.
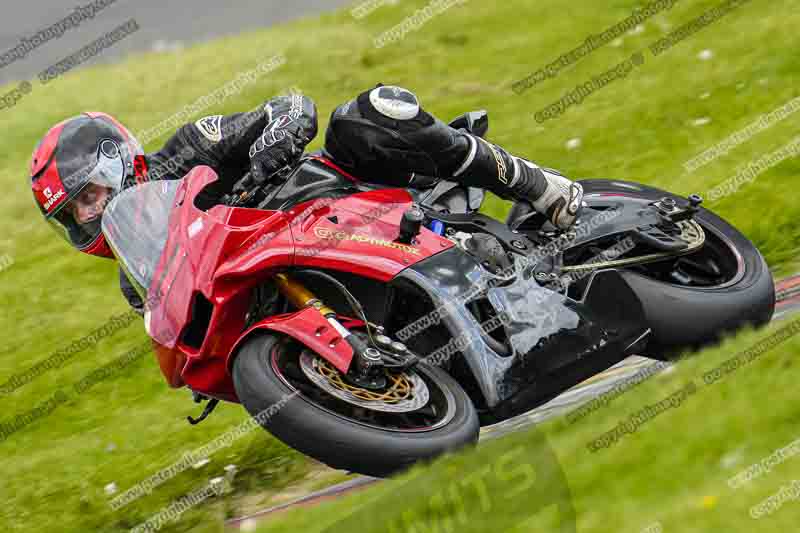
{"x":471,"y":160}
{"x":515,"y":178}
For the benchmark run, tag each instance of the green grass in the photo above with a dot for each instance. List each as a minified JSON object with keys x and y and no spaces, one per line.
{"x":674,"y":470}
{"x":639,"y":129}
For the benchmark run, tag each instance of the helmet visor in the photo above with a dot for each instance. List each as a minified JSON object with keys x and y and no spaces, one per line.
{"x":78,"y":219}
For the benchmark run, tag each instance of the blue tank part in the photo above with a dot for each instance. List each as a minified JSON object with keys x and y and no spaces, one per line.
{"x":437,"y":226}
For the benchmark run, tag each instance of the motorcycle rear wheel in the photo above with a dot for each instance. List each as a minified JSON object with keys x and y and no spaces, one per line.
{"x":267,"y":374}
{"x":694,"y":310}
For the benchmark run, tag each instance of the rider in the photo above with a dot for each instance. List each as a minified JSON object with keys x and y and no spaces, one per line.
{"x":381,"y":136}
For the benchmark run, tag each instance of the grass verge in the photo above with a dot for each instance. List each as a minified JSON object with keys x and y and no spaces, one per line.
{"x":642,"y":128}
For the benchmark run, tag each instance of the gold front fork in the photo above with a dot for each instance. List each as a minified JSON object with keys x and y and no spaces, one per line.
{"x":301,"y":297}
{"x":367,"y":360}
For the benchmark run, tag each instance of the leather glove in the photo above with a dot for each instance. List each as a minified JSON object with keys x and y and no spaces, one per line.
{"x":280,"y":145}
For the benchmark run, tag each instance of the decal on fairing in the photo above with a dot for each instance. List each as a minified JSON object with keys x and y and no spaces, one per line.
{"x":329,"y":234}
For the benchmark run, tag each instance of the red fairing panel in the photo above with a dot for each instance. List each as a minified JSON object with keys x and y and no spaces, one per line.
{"x":171,"y":361}
{"x":199,"y":245}
{"x":357,"y":234}
{"x":311,"y":329}
{"x":222,"y":254}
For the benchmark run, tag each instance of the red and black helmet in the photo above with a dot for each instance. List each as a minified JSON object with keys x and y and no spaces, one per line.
{"x":77,"y":168}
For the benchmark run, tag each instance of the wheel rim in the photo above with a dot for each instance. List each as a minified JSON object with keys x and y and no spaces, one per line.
{"x":724,"y":251}
{"x":438,"y":412}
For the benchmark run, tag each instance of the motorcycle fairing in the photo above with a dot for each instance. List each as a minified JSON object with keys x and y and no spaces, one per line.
{"x":312,"y":330}
{"x":213,"y":259}
{"x":200,"y":243}
{"x":359,"y":235}
{"x":546,"y":330}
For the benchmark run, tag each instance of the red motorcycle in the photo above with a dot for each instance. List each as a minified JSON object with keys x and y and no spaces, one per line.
{"x":372,"y":328}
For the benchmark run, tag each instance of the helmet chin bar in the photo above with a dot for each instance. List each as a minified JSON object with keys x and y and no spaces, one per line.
{"x":99,"y":248}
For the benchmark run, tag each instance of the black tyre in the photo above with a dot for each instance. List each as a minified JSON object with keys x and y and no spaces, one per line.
{"x":267,"y":370}
{"x":719,"y":288}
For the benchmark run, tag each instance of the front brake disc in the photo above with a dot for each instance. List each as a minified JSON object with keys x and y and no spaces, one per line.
{"x":405,"y":392}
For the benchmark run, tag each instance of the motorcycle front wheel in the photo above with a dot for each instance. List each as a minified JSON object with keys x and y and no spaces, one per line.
{"x":305,"y":402}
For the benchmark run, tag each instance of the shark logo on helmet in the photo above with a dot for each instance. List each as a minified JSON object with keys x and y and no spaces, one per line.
{"x":52,"y":198}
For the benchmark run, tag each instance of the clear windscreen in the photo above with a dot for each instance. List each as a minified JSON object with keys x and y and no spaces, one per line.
{"x":136,"y":226}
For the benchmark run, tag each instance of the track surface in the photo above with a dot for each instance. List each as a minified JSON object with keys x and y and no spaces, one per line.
{"x":787,"y":293}
{"x":163,"y":25}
